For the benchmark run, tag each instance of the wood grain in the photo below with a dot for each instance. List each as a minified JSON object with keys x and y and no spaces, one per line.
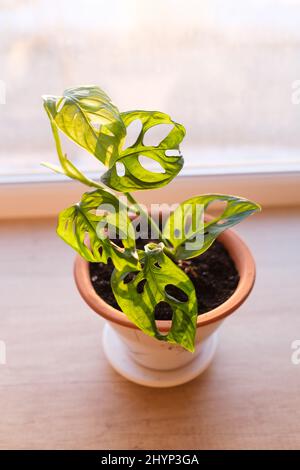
{"x":58,"y":392}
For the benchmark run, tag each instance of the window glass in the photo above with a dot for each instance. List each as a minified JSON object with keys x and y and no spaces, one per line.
{"x":229,"y":71}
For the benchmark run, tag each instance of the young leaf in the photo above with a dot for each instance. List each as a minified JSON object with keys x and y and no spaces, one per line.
{"x":67,"y":167}
{"x":136,"y":176}
{"x":88,"y":117}
{"x":139,"y":297}
{"x":84,"y":227}
{"x":188,"y":231}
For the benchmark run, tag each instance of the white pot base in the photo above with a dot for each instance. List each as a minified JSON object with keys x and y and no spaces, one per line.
{"x":115,"y":352}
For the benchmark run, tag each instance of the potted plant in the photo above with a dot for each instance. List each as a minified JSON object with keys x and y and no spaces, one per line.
{"x":164,"y":284}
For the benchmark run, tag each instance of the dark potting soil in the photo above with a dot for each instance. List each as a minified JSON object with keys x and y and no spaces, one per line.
{"x":213,"y":274}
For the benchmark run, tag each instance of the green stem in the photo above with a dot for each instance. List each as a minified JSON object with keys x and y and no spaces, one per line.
{"x":76,"y":174}
{"x":150,"y":220}
{"x":170,"y":254}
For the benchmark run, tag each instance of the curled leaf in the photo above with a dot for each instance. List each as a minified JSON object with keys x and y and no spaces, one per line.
{"x":189,"y":232}
{"x":88,"y":117}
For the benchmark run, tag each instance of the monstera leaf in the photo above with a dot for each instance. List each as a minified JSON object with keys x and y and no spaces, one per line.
{"x":88,"y":117}
{"x":85,"y":226}
{"x":188,"y":231}
{"x":135,"y":175}
{"x":139,"y":292}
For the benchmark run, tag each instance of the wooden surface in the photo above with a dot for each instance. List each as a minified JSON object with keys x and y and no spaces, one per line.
{"x":57,"y":390}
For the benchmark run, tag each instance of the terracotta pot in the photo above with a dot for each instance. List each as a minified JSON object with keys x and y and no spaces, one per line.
{"x":148,"y":361}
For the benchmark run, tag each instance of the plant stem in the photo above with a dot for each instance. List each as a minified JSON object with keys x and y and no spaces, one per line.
{"x":76,"y":174}
{"x":150,"y":220}
{"x":170,"y":254}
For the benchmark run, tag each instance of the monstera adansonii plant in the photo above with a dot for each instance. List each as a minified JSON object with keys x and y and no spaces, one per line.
{"x":87,"y":116}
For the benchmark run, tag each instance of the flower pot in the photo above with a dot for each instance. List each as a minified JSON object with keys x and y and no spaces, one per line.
{"x":146,"y":360}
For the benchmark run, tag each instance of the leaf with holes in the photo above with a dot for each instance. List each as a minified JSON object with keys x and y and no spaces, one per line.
{"x":91,"y":226}
{"x":139,"y":292}
{"x":135,"y":176}
{"x":189,"y":232}
{"x":88,"y":117}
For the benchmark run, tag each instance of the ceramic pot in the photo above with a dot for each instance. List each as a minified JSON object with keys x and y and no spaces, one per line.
{"x":146,"y":360}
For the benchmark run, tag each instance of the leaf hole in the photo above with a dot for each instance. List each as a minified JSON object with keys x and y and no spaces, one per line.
{"x":150,"y":164}
{"x":130,"y":277}
{"x":120,"y":169}
{"x":86,"y":240}
{"x":96,"y":125}
{"x":116,"y":242}
{"x":176,"y":293}
{"x":217,"y":207}
{"x":163,"y":311}
{"x":222,"y":222}
{"x":157,"y":265}
{"x":132,"y":133}
{"x":156,"y":134}
{"x":140,"y":286}
{"x":100,"y":212}
{"x":173,"y":153}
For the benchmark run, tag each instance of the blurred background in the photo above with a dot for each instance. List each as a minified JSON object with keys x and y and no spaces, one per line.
{"x":226,"y":70}
{"x":229,"y":70}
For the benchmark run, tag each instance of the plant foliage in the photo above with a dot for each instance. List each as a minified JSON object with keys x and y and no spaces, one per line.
{"x":147,"y":289}
{"x":142,"y":279}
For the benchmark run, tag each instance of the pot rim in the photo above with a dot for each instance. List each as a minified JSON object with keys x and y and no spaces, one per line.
{"x":238,"y":251}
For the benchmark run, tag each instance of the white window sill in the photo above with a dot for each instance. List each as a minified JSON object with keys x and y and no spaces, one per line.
{"x":270,"y":176}
{"x":46,"y":195}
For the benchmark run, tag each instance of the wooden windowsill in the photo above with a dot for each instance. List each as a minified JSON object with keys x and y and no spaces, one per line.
{"x":58,"y":392}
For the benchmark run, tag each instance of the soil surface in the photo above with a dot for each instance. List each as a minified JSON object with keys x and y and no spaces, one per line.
{"x":213,"y":274}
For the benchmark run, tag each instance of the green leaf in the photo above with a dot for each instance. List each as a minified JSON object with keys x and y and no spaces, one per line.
{"x":191,"y":235}
{"x":138,"y":297}
{"x":137,"y":177}
{"x":88,"y":117}
{"x":84,"y":227}
{"x":67,"y":167}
